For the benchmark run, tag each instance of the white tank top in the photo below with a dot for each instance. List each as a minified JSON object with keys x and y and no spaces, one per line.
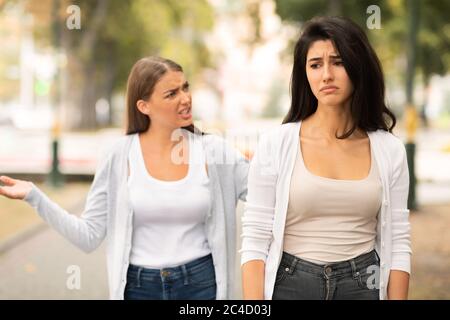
{"x":169,"y":216}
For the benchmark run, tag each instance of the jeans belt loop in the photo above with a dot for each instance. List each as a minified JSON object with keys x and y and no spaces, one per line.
{"x":292,"y":266}
{"x":185,"y":274}
{"x":355,"y":273}
{"x":138,"y":276}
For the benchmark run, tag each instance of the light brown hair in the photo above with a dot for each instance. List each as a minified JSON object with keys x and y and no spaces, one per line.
{"x":141,"y":82}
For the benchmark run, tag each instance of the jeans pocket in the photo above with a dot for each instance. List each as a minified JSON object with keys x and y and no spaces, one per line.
{"x":131,"y":284}
{"x":202,"y":277}
{"x":368,"y":277}
{"x":281,"y":274}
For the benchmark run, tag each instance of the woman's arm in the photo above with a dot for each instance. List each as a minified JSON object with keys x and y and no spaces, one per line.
{"x":257,"y":221}
{"x":398,"y":285}
{"x":241,"y":177}
{"x":253,"y":280}
{"x":235,"y":160}
{"x":87,"y":231}
{"x":401,"y":244}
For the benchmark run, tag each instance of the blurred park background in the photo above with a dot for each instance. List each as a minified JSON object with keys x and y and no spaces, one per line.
{"x":63,"y":70}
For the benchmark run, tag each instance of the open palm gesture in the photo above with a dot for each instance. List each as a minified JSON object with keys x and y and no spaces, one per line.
{"x":13,"y":188}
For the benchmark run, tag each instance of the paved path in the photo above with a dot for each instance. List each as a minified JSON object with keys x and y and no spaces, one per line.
{"x":38,"y":269}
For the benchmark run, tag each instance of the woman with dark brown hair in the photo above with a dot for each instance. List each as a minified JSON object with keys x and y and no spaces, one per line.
{"x":164,"y":198}
{"x":326,"y":214}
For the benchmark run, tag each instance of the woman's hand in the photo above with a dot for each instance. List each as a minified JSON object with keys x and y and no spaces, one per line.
{"x":14,"y":189}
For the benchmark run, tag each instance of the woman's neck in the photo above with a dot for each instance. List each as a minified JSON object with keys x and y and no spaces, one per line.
{"x":162,"y":139}
{"x":330,"y":121}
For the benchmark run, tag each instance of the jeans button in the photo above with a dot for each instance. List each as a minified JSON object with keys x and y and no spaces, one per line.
{"x":165,"y":273}
{"x":328,"y":270}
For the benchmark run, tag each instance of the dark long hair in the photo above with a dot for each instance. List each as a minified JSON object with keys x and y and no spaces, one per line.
{"x":141,"y":82}
{"x":368,"y":109}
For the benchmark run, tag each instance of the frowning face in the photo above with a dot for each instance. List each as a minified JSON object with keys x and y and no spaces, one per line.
{"x":326,"y":74}
{"x":170,"y":104}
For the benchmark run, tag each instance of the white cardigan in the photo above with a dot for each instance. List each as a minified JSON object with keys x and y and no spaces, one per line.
{"x":269,"y":178}
{"x":108,"y":212}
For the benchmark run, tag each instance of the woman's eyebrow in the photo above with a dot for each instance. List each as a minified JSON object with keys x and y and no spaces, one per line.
{"x":315,"y":59}
{"x":177,"y":88}
{"x":170,"y":90}
{"x":320,"y":58}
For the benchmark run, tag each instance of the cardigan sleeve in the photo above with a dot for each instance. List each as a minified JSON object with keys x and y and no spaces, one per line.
{"x":240,"y":177}
{"x":223,"y":153}
{"x":87,"y":231}
{"x":257,"y":220}
{"x":399,"y":187}
{"x":240,"y":170}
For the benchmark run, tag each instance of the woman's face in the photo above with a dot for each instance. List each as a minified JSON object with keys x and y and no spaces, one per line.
{"x":326,"y":74}
{"x":170,"y":104}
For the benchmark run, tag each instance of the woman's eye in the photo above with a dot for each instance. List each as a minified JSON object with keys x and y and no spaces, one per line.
{"x":339,"y":63}
{"x":315,"y":66}
{"x":170,"y":95}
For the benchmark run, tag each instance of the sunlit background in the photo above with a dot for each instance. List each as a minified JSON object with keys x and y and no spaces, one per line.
{"x":63,"y":71}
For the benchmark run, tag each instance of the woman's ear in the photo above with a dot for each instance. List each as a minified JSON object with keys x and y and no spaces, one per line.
{"x":143,"y":106}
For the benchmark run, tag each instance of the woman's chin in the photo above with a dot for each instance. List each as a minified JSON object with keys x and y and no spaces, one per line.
{"x":332,"y":102}
{"x":186,"y":123}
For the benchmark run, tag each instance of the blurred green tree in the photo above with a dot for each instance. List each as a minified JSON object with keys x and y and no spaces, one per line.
{"x":434,"y":29}
{"x":113,"y":35}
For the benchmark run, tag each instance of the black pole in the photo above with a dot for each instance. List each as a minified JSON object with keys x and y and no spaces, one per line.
{"x":411,"y":112}
{"x":55,"y":176}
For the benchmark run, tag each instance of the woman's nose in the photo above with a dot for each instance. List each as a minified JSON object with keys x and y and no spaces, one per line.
{"x":185,"y":97}
{"x":327,"y":72}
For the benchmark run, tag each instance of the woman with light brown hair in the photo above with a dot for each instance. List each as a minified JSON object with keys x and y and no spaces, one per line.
{"x":164,"y":198}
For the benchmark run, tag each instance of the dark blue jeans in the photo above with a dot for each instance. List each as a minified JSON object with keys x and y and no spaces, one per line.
{"x":355,"y":279}
{"x":195,"y":280}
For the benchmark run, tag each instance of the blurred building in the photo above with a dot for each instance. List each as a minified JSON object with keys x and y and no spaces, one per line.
{"x":252,"y":78}
{"x":27,"y":71}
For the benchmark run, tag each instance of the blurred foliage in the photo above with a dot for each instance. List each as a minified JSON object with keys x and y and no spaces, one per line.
{"x":9,"y":85}
{"x":300,"y":11}
{"x":434,"y":26}
{"x":252,"y":8}
{"x":138,"y":28}
{"x":434,"y":38}
{"x":272,"y":107}
{"x":114,"y":34}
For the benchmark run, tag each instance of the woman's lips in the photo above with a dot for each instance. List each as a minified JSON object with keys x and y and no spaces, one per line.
{"x":186,"y":114}
{"x":329,"y":89}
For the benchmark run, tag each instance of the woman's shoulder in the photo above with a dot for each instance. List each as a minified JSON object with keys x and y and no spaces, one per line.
{"x":278,"y":136}
{"x":391,"y":144}
{"x":284,"y":129}
{"x":217,"y":144}
{"x":120,"y":146}
{"x":389,"y":139}
{"x":208,"y":139}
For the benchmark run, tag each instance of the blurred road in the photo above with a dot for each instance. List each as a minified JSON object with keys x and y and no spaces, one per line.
{"x":41,"y":267}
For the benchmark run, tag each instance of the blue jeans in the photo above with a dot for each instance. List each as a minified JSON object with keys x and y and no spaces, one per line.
{"x":355,"y":279}
{"x":195,"y":280}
